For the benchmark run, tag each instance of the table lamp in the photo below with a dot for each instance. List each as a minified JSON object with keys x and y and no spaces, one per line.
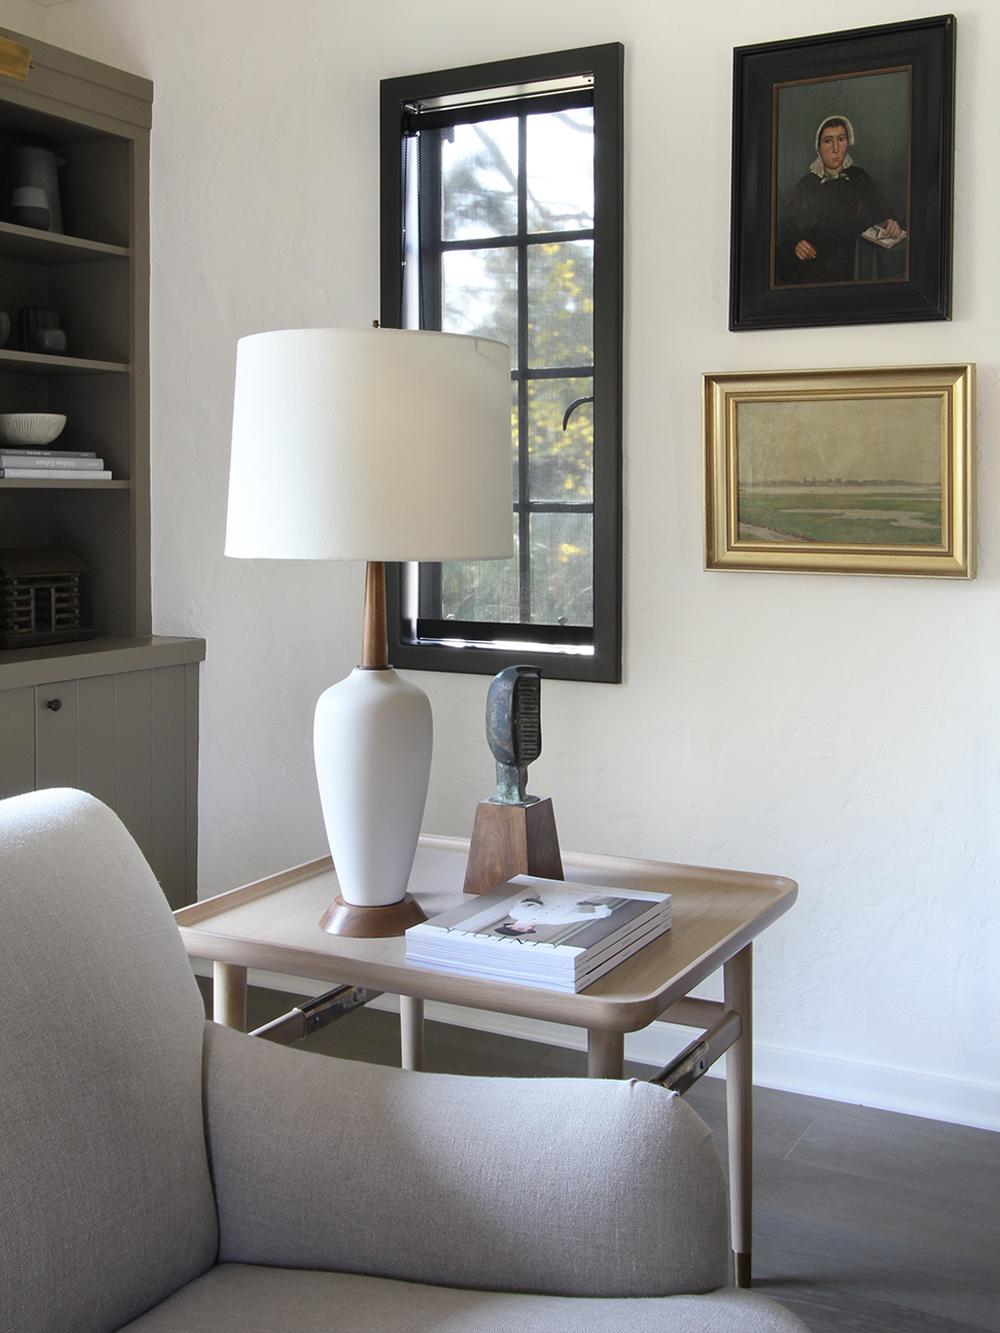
{"x":374,"y":445}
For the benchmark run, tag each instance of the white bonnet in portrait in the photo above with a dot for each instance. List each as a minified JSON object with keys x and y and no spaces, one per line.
{"x":826,"y":120}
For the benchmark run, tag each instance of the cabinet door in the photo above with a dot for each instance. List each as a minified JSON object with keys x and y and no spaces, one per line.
{"x":77,"y":728}
{"x":131,"y":740}
{"x":56,"y":745}
{"x":17,"y":741}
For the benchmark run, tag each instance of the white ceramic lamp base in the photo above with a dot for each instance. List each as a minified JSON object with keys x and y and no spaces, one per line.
{"x":372,"y":738}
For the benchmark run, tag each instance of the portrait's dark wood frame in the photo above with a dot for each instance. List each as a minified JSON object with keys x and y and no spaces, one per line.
{"x":927,"y":46}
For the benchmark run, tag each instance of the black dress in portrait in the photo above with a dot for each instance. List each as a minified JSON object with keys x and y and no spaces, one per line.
{"x":830,"y":212}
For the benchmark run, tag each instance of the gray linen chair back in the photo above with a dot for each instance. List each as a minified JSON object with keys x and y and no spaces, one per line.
{"x":106,"y":1203}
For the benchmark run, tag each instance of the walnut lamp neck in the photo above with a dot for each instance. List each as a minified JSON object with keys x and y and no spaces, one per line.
{"x":374,"y":643}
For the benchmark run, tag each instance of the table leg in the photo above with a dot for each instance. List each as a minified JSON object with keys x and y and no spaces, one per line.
{"x":738,"y":985}
{"x":605,"y":1054}
{"x":229,"y":995}
{"x":411,"y":1032}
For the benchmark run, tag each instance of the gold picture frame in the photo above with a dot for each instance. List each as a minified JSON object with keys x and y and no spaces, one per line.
{"x":841,"y":471}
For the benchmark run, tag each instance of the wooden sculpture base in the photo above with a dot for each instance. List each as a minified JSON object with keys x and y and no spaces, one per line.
{"x":510,"y":840}
{"x":371,"y":923}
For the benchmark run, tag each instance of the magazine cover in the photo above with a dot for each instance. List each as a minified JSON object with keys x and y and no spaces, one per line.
{"x":532,"y":911}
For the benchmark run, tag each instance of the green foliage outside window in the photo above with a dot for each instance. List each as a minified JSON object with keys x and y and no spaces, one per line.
{"x":479,"y":173}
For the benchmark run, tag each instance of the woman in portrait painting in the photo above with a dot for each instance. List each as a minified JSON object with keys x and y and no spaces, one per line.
{"x":820,"y":227}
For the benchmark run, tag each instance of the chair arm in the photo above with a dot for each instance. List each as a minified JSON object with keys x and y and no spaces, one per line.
{"x":558,"y":1186}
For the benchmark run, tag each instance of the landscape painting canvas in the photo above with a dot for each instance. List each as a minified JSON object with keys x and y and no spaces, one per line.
{"x":852,"y":471}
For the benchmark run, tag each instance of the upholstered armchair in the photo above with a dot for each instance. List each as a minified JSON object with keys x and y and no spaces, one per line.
{"x":159,"y":1173}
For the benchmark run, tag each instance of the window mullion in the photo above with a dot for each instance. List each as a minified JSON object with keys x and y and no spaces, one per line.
{"x":430,"y":285}
{"x":430,"y":231}
{"x":556,"y":373}
{"x":523,"y":520}
{"x":502,"y":242}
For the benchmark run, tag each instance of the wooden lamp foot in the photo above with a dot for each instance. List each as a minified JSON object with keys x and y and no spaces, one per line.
{"x":371,"y":923}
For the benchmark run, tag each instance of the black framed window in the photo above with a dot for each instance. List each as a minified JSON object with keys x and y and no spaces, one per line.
{"x":501,"y":214}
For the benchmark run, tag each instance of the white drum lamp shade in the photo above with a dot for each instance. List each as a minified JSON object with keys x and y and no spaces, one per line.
{"x":375,"y":445}
{"x":370,"y":444}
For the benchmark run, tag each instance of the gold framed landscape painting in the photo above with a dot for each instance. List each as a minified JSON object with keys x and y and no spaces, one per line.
{"x":841,"y":471}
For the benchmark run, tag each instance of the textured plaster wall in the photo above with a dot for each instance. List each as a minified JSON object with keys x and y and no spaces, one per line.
{"x":844,"y":731}
{"x":24,"y":16}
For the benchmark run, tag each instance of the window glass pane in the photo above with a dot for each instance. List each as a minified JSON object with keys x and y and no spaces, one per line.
{"x":479,"y":180}
{"x":560,"y":167}
{"x":479,"y":294}
{"x":481,"y":589}
{"x":560,"y":462}
{"x":561,"y":304}
{"x":562,"y":569}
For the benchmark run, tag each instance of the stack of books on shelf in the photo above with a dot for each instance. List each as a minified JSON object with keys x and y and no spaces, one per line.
{"x":546,"y":933}
{"x":50,"y":464}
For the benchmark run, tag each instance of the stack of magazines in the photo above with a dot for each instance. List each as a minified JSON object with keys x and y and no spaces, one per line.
{"x":50,"y":464}
{"x":545,"y":933}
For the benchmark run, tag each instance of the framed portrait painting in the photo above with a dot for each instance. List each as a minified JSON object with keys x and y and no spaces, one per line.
{"x":841,"y":471}
{"x":842,"y":178}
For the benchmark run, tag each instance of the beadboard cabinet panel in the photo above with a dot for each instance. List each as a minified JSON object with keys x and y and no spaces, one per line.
{"x":134,"y":756}
{"x":168,"y":804}
{"x":17,"y":741}
{"x":96,"y":724}
{"x":57,"y":746}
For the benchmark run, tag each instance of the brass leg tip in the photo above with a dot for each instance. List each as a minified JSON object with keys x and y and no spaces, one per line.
{"x":741,"y":1269}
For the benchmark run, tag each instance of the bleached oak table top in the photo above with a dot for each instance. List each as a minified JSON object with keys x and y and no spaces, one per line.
{"x":273,"y":924}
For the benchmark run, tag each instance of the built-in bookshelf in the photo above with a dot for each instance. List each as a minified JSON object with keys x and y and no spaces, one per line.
{"x":117,"y":713}
{"x":94,"y":273}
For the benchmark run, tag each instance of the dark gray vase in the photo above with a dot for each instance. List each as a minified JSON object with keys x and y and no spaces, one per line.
{"x":38,"y":169}
{"x":32,"y":319}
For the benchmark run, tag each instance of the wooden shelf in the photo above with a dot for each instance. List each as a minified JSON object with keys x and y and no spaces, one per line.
{"x":103,"y":656}
{"x":61,"y":484}
{"x":47,"y":247}
{"x":34,"y":363}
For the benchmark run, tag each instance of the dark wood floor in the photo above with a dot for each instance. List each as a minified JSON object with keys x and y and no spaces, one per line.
{"x":864,"y":1220}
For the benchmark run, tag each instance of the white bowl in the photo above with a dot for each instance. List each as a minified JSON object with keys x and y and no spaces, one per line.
{"x":34,"y":428}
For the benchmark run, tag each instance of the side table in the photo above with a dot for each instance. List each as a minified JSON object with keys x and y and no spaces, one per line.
{"x":273,"y":924}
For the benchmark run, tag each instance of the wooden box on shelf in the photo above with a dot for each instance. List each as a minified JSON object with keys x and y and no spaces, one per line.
{"x":41,"y":598}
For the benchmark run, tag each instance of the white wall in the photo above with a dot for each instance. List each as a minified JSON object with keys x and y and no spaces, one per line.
{"x":24,"y":16}
{"x":845,"y":731}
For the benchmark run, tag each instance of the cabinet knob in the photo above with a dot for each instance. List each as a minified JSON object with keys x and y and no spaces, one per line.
{"x":54,"y":704}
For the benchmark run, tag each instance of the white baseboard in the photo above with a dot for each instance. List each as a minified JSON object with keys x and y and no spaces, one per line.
{"x":911,"y":1092}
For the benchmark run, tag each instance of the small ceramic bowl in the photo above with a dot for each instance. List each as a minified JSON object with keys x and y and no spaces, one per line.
{"x":31,"y":428}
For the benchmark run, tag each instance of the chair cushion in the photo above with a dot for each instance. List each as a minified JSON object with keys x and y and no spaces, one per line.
{"x":238,"y":1298}
{"x":106,"y":1202}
